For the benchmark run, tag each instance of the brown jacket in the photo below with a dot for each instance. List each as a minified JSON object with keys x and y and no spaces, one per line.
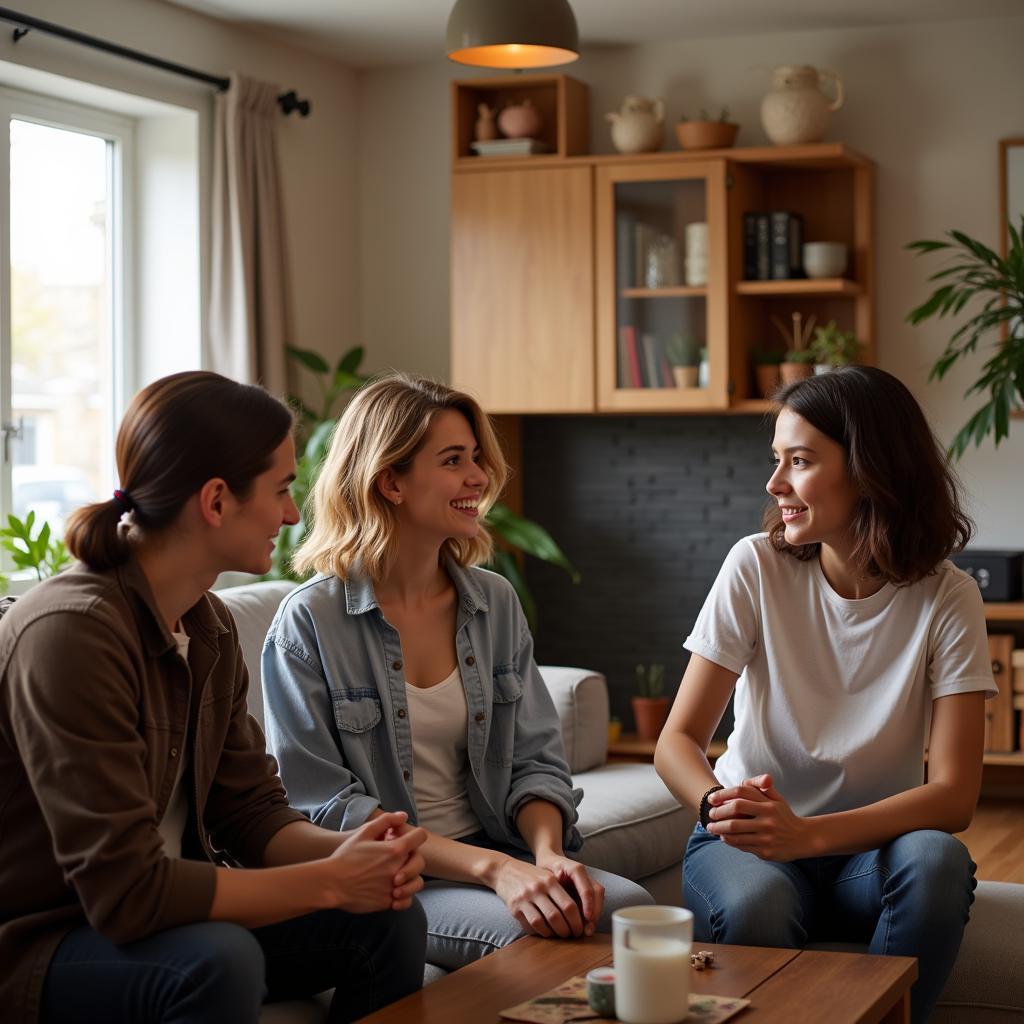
{"x":94,"y":709}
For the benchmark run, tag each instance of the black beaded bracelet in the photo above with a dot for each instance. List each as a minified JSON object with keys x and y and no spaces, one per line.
{"x":704,"y":810}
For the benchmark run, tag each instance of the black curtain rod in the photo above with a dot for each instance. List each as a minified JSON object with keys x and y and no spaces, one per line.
{"x":288,"y":101}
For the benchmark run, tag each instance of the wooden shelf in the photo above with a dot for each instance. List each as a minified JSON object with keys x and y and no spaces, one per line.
{"x":1004,"y":611}
{"x":751,"y":406}
{"x":673,"y":292}
{"x":819,"y":286}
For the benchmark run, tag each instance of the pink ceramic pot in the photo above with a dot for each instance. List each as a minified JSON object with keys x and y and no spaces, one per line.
{"x":520,"y":121}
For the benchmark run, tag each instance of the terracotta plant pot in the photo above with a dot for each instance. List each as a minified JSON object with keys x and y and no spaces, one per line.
{"x":795,"y":371}
{"x":706,"y":134}
{"x":650,"y":714}
{"x":686,"y":376}
{"x":768,"y":379}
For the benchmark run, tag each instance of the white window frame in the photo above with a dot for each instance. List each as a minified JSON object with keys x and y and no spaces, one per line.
{"x":120,"y":133}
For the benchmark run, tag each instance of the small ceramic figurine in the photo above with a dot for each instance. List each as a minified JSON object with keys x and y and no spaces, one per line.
{"x":520,"y":121}
{"x":638,"y":126}
{"x":485,"y":128}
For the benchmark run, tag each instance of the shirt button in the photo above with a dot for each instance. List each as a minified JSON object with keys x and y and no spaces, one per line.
{"x":174,"y":752}
{"x":471,"y":660}
{"x":405,"y":774}
{"x":401,"y":712}
{"x":396,"y":665}
{"x":480,"y":716}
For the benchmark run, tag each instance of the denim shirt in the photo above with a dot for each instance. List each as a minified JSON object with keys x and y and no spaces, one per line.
{"x":338,"y":720}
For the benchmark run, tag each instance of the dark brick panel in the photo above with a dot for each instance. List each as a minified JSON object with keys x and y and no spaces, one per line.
{"x":646,"y":508}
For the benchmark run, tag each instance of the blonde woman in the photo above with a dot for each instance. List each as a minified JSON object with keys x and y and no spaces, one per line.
{"x":402,"y":677}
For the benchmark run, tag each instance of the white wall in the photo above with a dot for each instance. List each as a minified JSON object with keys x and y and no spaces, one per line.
{"x":317,"y":153}
{"x":928,"y":103}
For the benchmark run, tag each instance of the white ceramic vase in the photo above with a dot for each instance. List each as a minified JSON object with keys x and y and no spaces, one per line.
{"x":795,"y":110}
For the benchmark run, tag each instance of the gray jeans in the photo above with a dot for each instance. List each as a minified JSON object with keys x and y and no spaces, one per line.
{"x":466,"y":922}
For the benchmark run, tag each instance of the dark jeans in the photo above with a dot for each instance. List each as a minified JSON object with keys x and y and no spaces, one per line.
{"x":222,"y":973}
{"x":912,"y":897}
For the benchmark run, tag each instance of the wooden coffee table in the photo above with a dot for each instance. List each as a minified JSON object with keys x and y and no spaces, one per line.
{"x":783,"y":985}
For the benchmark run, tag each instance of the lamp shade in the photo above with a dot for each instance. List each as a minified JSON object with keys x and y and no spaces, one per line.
{"x":512,"y":33}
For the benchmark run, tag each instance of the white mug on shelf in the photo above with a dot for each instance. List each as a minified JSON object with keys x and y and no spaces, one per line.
{"x":696,"y":271}
{"x":652,"y":964}
{"x":696,"y":240}
{"x":824,"y":259}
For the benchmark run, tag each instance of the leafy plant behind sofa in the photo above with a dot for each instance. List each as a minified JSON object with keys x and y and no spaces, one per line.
{"x":44,"y":554}
{"x":977,"y":272}
{"x":316,"y":427}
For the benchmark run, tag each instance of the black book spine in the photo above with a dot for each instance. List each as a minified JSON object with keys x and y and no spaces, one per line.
{"x":796,"y":245}
{"x":780,"y":259}
{"x":764,"y":248}
{"x":750,"y":247}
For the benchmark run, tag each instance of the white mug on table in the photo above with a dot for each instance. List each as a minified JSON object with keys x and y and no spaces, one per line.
{"x":652,"y":964}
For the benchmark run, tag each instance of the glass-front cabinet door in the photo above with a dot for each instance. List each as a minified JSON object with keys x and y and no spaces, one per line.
{"x":662,"y":286}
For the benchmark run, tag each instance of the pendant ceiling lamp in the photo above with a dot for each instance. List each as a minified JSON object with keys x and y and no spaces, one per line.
{"x":512,"y":33}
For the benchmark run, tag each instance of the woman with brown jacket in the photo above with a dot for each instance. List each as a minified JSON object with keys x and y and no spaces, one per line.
{"x":133,"y":783}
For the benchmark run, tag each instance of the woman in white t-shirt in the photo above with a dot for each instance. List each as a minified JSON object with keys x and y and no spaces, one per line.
{"x":845,"y":634}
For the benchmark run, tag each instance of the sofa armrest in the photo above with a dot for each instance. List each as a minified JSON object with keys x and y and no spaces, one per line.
{"x":581,"y":700}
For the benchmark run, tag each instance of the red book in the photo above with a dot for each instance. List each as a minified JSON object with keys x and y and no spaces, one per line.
{"x":636,"y":378}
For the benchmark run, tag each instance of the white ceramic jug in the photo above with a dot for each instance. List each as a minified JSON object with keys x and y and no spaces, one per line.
{"x":796,"y":110}
{"x":638,"y":126}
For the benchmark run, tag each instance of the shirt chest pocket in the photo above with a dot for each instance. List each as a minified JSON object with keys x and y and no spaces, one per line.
{"x":508,"y":691}
{"x":355,"y":713}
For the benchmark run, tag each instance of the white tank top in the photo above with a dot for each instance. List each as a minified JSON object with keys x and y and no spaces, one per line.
{"x":439,"y":719}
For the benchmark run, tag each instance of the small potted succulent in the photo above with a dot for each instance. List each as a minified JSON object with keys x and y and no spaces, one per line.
{"x":650,"y":705}
{"x":704,"y":133}
{"x":683,"y":352}
{"x":766,"y":371}
{"x":833,"y":347}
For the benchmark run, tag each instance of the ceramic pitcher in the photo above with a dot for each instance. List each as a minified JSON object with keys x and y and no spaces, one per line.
{"x":638,"y":126}
{"x":796,"y":110}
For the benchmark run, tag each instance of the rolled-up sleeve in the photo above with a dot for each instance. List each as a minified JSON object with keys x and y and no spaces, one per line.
{"x":301,"y":731}
{"x":539,"y":769}
{"x":84,"y":757}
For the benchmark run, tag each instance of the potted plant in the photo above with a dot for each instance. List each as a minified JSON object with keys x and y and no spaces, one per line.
{"x":650,"y":705}
{"x":41,"y":552}
{"x":798,"y":362}
{"x":704,"y":133}
{"x":833,"y":347}
{"x":683,"y":352}
{"x":977,"y":272}
{"x":766,"y":371}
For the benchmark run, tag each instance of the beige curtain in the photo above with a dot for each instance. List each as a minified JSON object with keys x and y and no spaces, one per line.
{"x":249,"y":301}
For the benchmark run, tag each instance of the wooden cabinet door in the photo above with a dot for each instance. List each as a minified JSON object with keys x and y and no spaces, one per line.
{"x":522,"y":289}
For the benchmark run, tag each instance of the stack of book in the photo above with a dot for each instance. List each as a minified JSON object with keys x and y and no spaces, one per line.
{"x":510,"y":147}
{"x":642,"y":362}
{"x":773,"y":246}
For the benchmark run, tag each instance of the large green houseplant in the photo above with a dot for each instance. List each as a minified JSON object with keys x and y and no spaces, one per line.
{"x":316,"y":427}
{"x":976,"y":272}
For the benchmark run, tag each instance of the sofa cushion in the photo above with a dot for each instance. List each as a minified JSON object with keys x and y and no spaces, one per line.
{"x":631,"y":824}
{"x":253,"y":607}
{"x":581,"y":700}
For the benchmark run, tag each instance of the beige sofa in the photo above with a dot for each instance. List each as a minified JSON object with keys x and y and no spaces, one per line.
{"x":633,"y":826}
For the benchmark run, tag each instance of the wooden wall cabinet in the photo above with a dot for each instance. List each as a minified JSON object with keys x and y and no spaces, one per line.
{"x":523,"y":289}
{"x":542,"y":288}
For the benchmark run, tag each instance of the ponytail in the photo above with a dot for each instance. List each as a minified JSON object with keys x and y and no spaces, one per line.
{"x":95,"y":536}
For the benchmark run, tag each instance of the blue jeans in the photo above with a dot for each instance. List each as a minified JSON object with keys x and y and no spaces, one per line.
{"x":466,"y":922}
{"x":215,"y":972}
{"x":912,"y":897}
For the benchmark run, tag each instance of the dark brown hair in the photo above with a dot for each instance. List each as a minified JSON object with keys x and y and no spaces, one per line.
{"x":178,"y":433}
{"x":910,"y":515}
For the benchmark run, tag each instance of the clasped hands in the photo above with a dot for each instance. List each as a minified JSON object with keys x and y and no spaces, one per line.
{"x":553,"y":898}
{"x":755,"y":818}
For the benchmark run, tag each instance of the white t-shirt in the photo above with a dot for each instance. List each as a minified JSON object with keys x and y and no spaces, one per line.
{"x":172,"y":824}
{"x":835,"y":695}
{"x":439,"y":718}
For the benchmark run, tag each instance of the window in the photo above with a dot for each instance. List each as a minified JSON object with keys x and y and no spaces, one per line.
{"x":64,"y":371}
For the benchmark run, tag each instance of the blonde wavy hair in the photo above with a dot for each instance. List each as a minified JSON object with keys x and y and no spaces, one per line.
{"x":383,"y":427}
